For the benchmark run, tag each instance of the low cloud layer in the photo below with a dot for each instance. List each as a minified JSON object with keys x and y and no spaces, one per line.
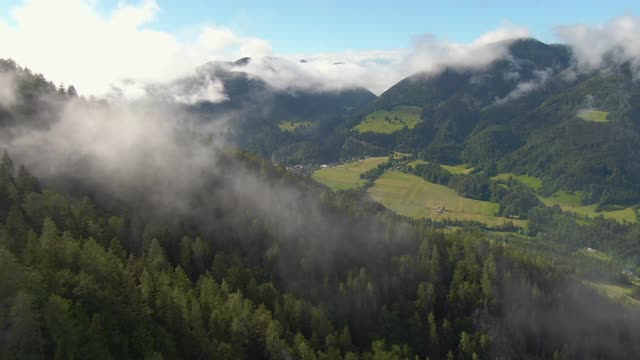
{"x":616,"y":41}
{"x":71,"y":42}
{"x":378,"y":70}
{"x":7,"y":89}
{"x":540,"y":77}
{"x":122,"y":149}
{"x":120,"y":53}
{"x":172,"y":165}
{"x":430,"y":54}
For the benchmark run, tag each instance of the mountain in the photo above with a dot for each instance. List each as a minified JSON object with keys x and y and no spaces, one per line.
{"x":292,"y":125}
{"x":162,"y":246}
{"x":528,"y":113}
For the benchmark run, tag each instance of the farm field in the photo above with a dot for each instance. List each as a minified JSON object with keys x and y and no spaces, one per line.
{"x":530,"y":181}
{"x":593,"y":115}
{"x":614,"y":291}
{"x":347,"y":176}
{"x":454,"y":169}
{"x":290,"y":126}
{"x":412,"y":196}
{"x":570,"y":201}
{"x":388,"y":122}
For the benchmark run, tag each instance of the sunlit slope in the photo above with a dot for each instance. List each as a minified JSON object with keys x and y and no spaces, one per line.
{"x":412,"y":196}
{"x":347,"y":176}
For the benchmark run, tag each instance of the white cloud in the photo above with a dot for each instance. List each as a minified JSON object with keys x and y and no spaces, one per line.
{"x":375,"y":70}
{"x":7,"y":89}
{"x":617,"y":40}
{"x":119,"y":54}
{"x":540,"y":77}
{"x":430,"y":54}
{"x":210,"y":90}
{"x":70,"y":41}
{"x":378,"y":70}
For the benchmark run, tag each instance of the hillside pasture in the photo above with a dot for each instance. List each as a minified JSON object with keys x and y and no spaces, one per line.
{"x":390,"y":121}
{"x":530,"y":181}
{"x":571,"y":201}
{"x":593,"y":115}
{"x":614,"y":291}
{"x":412,"y":196}
{"x":454,"y":169}
{"x":291,"y":126}
{"x":347,"y":176}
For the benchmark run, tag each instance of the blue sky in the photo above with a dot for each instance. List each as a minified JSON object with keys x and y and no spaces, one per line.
{"x":334,"y":25}
{"x":100,"y":45}
{"x":305,"y":26}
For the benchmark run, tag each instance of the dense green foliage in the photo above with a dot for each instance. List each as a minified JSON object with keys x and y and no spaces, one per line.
{"x":259,"y":109}
{"x":331,"y":275}
{"x":515,"y":199}
{"x":481,"y":117}
{"x":75,"y":285}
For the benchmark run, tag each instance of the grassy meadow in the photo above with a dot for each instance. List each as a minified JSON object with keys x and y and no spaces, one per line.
{"x":388,"y":122}
{"x":412,"y":196}
{"x":593,"y":115}
{"x":347,"y":176}
{"x":454,"y":169}
{"x":614,"y":291}
{"x":291,"y":126}
{"x":570,"y":201}
{"x":530,"y":181}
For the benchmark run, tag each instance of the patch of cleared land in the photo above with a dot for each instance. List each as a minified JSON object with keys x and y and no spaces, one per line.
{"x":291,"y":126}
{"x":412,"y":196}
{"x":570,"y":201}
{"x":593,"y":115}
{"x":530,"y":181}
{"x":614,"y":291}
{"x":454,"y":169}
{"x":399,"y":155}
{"x":458,"y":169}
{"x":347,"y":176}
{"x":388,"y":122}
{"x":593,"y":253}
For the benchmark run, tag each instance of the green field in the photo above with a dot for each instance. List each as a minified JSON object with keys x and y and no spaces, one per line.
{"x":592,"y":253}
{"x":614,"y":291}
{"x":570,"y":201}
{"x":291,"y":126}
{"x":387,"y":122}
{"x":530,"y":181}
{"x":412,"y":196}
{"x":454,"y":169}
{"x":347,"y":176}
{"x":458,"y":169}
{"x":593,"y":115}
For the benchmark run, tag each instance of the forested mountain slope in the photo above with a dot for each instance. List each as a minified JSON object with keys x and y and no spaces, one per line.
{"x":534,"y":112}
{"x":260,"y":113}
{"x":81,"y":281}
{"x":168,"y":246}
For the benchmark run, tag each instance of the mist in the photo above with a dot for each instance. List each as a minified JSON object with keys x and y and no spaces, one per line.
{"x":160,"y":159}
{"x":612,"y":43}
{"x":540,"y":77}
